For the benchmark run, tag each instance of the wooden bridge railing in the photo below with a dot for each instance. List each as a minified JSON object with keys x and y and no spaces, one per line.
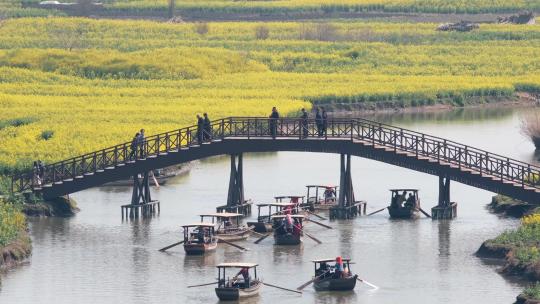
{"x":396,"y":138}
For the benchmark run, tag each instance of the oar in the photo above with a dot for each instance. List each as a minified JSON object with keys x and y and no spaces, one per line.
{"x":315,"y":214}
{"x":258,"y":233}
{"x":367,"y":283}
{"x":262,"y":238}
{"x":310,"y":236}
{"x":171,"y":246}
{"x":231,"y":244}
{"x":202,"y":285}
{"x":425,"y":213}
{"x":287,"y":289}
{"x":377,"y":211}
{"x":311,"y":281}
{"x":318,"y":223}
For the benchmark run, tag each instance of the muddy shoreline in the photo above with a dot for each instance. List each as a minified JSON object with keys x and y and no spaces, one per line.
{"x":15,"y":253}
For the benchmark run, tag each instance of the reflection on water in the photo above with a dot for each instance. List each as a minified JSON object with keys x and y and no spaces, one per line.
{"x":95,"y":255}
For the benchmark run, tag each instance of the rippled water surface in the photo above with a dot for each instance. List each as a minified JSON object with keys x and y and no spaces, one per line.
{"x":95,"y":257}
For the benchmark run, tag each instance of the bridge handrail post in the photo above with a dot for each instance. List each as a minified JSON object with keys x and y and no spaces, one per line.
{"x":416,"y":145}
{"x":158,"y":145}
{"x":115,"y":155}
{"x":352,"y":130}
{"x":179,"y":140}
{"x":466,"y":154}
{"x":222,"y":127}
{"x":481,"y":164}
{"x":248,"y":128}
{"x":167,"y":142}
{"x":424,"y":152}
{"x":395,"y":140}
{"x":438,"y":151}
{"x":529,"y":174}
{"x":94,"y":160}
{"x":73,"y":166}
{"x":459,"y":157}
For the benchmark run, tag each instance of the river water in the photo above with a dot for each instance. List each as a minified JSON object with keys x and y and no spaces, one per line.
{"x":96,"y":257}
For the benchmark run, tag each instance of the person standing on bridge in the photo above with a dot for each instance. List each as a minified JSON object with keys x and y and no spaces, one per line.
{"x":324,"y":121}
{"x":273,"y":121}
{"x":304,"y":123}
{"x":207,"y":128}
{"x":133,"y":146}
{"x":141,"y":143}
{"x":200,"y":129}
{"x":318,"y":122}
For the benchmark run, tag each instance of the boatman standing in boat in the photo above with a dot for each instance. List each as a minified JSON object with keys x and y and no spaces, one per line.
{"x":338,"y":267}
{"x":245,"y":274}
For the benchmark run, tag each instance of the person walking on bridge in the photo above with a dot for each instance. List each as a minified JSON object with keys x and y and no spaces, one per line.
{"x":141,"y":143}
{"x":207,"y":128}
{"x":304,"y":123}
{"x":319,"y":122}
{"x":133,"y":146}
{"x":200,"y":129}
{"x":324,"y":116}
{"x":273,"y":121}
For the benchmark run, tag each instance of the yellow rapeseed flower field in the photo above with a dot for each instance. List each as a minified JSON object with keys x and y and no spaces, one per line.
{"x":70,"y":85}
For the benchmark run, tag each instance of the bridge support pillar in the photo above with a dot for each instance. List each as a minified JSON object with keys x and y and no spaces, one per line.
{"x":235,"y":198}
{"x":141,"y":200}
{"x":346,"y":207}
{"x":445,"y":209}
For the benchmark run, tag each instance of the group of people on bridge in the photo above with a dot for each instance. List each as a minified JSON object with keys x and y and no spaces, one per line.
{"x":204,"y":129}
{"x":38,"y":172}
{"x":137,"y":146}
{"x":321,"y":122}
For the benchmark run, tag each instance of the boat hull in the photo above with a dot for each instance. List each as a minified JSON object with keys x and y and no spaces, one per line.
{"x":334,"y":284}
{"x":233,"y":236}
{"x":198,"y":249}
{"x":260,"y":227}
{"x":287,"y":239}
{"x":403,"y":213}
{"x":233,"y":293}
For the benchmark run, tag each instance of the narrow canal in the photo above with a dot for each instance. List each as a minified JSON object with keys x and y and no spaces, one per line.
{"x":96,"y":257}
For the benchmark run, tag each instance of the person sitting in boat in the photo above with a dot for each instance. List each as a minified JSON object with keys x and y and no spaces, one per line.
{"x":402,"y":198}
{"x":329,"y":194}
{"x":245,"y":275}
{"x":288,"y":223}
{"x":200,"y":235}
{"x":227,"y":223}
{"x":395,"y":198}
{"x":338,"y":268}
{"x":410,"y":201}
{"x":323,"y":268}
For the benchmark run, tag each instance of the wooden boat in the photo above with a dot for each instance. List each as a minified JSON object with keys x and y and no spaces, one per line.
{"x":326,"y":200}
{"x":226,"y":230}
{"x":199,"y":238}
{"x":233,"y":289}
{"x":402,"y":207}
{"x":284,"y":235}
{"x":330,"y":281}
{"x":264,"y":222}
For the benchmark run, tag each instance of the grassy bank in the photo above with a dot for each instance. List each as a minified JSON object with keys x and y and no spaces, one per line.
{"x":521,"y":250}
{"x":62,"y":77}
{"x":15,"y":244}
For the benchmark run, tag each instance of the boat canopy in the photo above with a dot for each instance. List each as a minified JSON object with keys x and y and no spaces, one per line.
{"x":283,"y":216}
{"x":288,"y":196}
{"x":199,"y":225}
{"x":394,"y":190}
{"x":236,"y":265}
{"x":330,"y":260}
{"x":222,"y":214}
{"x":275,"y":205}
{"x":321,"y":186}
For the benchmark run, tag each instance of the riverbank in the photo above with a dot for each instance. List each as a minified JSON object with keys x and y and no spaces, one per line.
{"x":518,"y":248}
{"x":15,"y":244}
{"x":519,"y":99}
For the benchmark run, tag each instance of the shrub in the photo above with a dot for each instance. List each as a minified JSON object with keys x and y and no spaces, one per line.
{"x":262,"y":32}
{"x":201,"y":28}
{"x":47,"y":134}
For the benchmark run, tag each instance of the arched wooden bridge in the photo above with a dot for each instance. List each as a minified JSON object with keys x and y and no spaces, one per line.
{"x":236,"y":135}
